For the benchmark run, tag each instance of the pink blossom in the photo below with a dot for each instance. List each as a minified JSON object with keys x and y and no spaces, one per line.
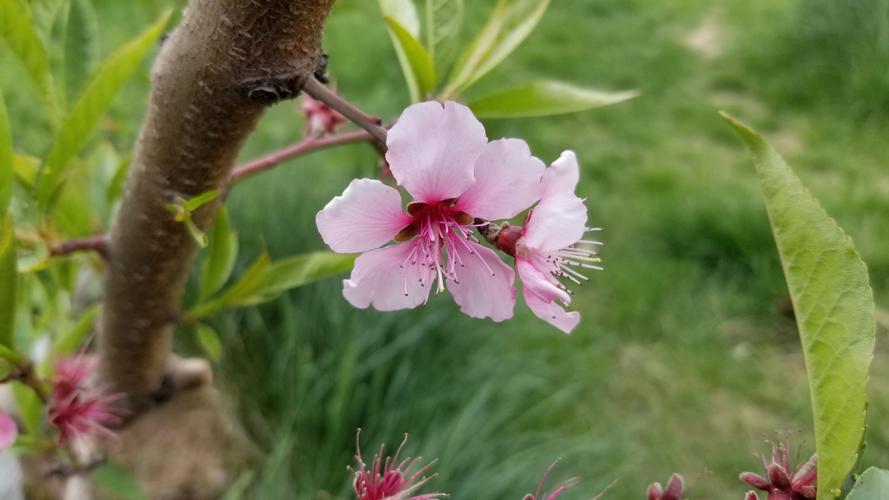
{"x":550,"y":245}
{"x":556,"y":492}
{"x":320,"y":117}
{"x":782,"y":482}
{"x":75,"y":409}
{"x":391,"y":479}
{"x":8,"y":431}
{"x":440,"y":155}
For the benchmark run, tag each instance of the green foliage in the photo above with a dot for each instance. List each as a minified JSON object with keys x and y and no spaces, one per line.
{"x":507,"y":28}
{"x":116,"y":481}
{"x":96,"y":99}
{"x":72,"y":339}
{"x":444,"y":19}
{"x":209,"y":341}
{"x":82,"y":48}
{"x":222,"y":253}
{"x":265,"y":280}
{"x":8,"y":281}
{"x":873,"y":484}
{"x":543,"y":98}
{"x":6,"y":167}
{"x":182,"y":211}
{"x":416,"y":64}
{"x":17,"y":29}
{"x":834,"y":306}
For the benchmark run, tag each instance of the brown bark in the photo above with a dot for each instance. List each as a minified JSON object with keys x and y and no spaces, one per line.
{"x":218,"y":70}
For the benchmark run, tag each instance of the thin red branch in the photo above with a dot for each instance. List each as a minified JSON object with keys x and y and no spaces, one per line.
{"x":98,"y":244}
{"x":372,"y":124}
{"x":307,"y":145}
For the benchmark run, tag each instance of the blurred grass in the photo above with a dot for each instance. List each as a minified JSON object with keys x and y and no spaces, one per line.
{"x":683,"y":361}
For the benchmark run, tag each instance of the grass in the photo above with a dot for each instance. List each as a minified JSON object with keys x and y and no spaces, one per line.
{"x":683,"y":361}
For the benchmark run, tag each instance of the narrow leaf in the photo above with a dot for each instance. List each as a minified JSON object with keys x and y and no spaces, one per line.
{"x":872,"y":485}
{"x":834,"y":307}
{"x":543,"y":98}
{"x":6,"y":162}
{"x":17,"y":29}
{"x":302,"y":270}
{"x":8,"y":281}
{"x":208,"y":338}
{"x":444,"y":18}
{"x":246,"y":286}
{"x":29,"y":406}
{"x":507,"y":28}
{"x":222,"y":252}
{"x":403,"y":11}
{"x":200,"y":200}
{"x":45,"y":13}
{"x":417,"y":66}
{"x":78,"y":125}
{"x":82,"y":50}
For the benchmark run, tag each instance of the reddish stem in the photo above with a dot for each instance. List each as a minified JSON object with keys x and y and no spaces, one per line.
{"x":307,"y":145}
{"x":372,"y":124}
{"x":96,"y":243}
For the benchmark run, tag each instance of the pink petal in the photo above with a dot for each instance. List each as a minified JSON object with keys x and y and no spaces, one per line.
{"x":379,"y":280}
{"x":541,"y":294}
{"x":432,"y":150}
{"x":507,"y":181}
{"x":367,"y":215}
{"x":8,"y":431}
{"x":559,"y":220}
{"x":484,"y":286}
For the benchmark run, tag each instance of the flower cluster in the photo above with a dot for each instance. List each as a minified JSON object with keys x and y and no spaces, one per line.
{"x":389,"y":479}
{"x":782,"y":482}
{"x":460,"y":181}
{"x":76,"y":410}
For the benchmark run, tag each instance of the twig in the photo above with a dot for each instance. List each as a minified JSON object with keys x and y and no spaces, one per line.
{"x":372,"y":124}
{"x":97,"y":244}
{"x":307,"y":145}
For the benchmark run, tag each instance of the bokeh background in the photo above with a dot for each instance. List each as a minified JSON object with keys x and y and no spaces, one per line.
{"x":686,"y":359}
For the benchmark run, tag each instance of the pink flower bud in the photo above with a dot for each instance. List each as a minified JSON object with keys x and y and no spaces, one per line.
{"x":751,"y":495}
{"x":755,"y":480}
{"x":778,"y":476}
{"x":655,"y":492}
{"x":674,"y":488}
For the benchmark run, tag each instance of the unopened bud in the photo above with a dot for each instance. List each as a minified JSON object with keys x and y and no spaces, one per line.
{"x":751,"y":495}
{"x":674,"y":488}
{"x":755,"y":480}
{"x":778,"y":477}
{"x":655,"y":491}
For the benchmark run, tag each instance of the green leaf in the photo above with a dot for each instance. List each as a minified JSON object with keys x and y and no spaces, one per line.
{"x":45,"y":13}
{"x":834,"y":307}
{"x":118,"y":482}
{"x":444,"y":18}
{"x":509,"y":25}
{"x":208,"y":338}
{"x":6,"y":162}
{"x":71,"y":340}
{"x":416,"y":64}
{"x":8,"y":281}
{"x":872,"y":485}
{"x":82,"y":50}
{"x":403,"y":11}
{"x":544,"y":98}
{"x":96,"y":99}
{"x":17,"y":29}
{"x":302,"y":270}
{"x":29,"y":406}
{"x":200,"y":200}
{"x":222,"y":253}
{"x":237,"y":490}
{"x":246,"y":286}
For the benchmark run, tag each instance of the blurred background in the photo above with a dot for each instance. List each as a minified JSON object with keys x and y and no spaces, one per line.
{"x":687,"y":358}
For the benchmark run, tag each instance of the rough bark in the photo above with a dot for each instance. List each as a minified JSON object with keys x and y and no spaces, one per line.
{"x":217,"y":71}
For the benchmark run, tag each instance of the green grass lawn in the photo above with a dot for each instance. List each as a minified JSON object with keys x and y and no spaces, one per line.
{"x":683,"y":362}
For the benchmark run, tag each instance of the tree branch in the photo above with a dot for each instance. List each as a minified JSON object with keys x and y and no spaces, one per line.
{"x":215,"y":75}
{"x":372,"y":124}
{"x":96,"y":244}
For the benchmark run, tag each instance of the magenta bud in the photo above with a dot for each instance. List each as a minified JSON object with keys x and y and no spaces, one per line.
{"x":751,"y":495}
{"x":755,"y":480}
{"x":655,"y":492}
{"x":778,"y":477}
{"x":779,"y":495}
{"x":674,"y":488}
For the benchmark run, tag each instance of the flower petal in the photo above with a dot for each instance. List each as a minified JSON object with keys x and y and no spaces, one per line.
{"x":541,"y":295}
{"x":364,"y":217}
{"x":379,"y":280}
{"x":484,"y":285}
{"x":8,"y":431}
{"x":559,"y":220}
{"x":507,"y":181}
{"x":432,"y":149}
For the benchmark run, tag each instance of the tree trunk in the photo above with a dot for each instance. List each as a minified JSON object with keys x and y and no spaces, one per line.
{"x":216,"y":73}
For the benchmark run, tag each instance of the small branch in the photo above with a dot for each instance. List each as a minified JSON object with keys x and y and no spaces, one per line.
{"x":372,"y":124}
{"x":97,"y":244}
{"x":308,"y":145}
